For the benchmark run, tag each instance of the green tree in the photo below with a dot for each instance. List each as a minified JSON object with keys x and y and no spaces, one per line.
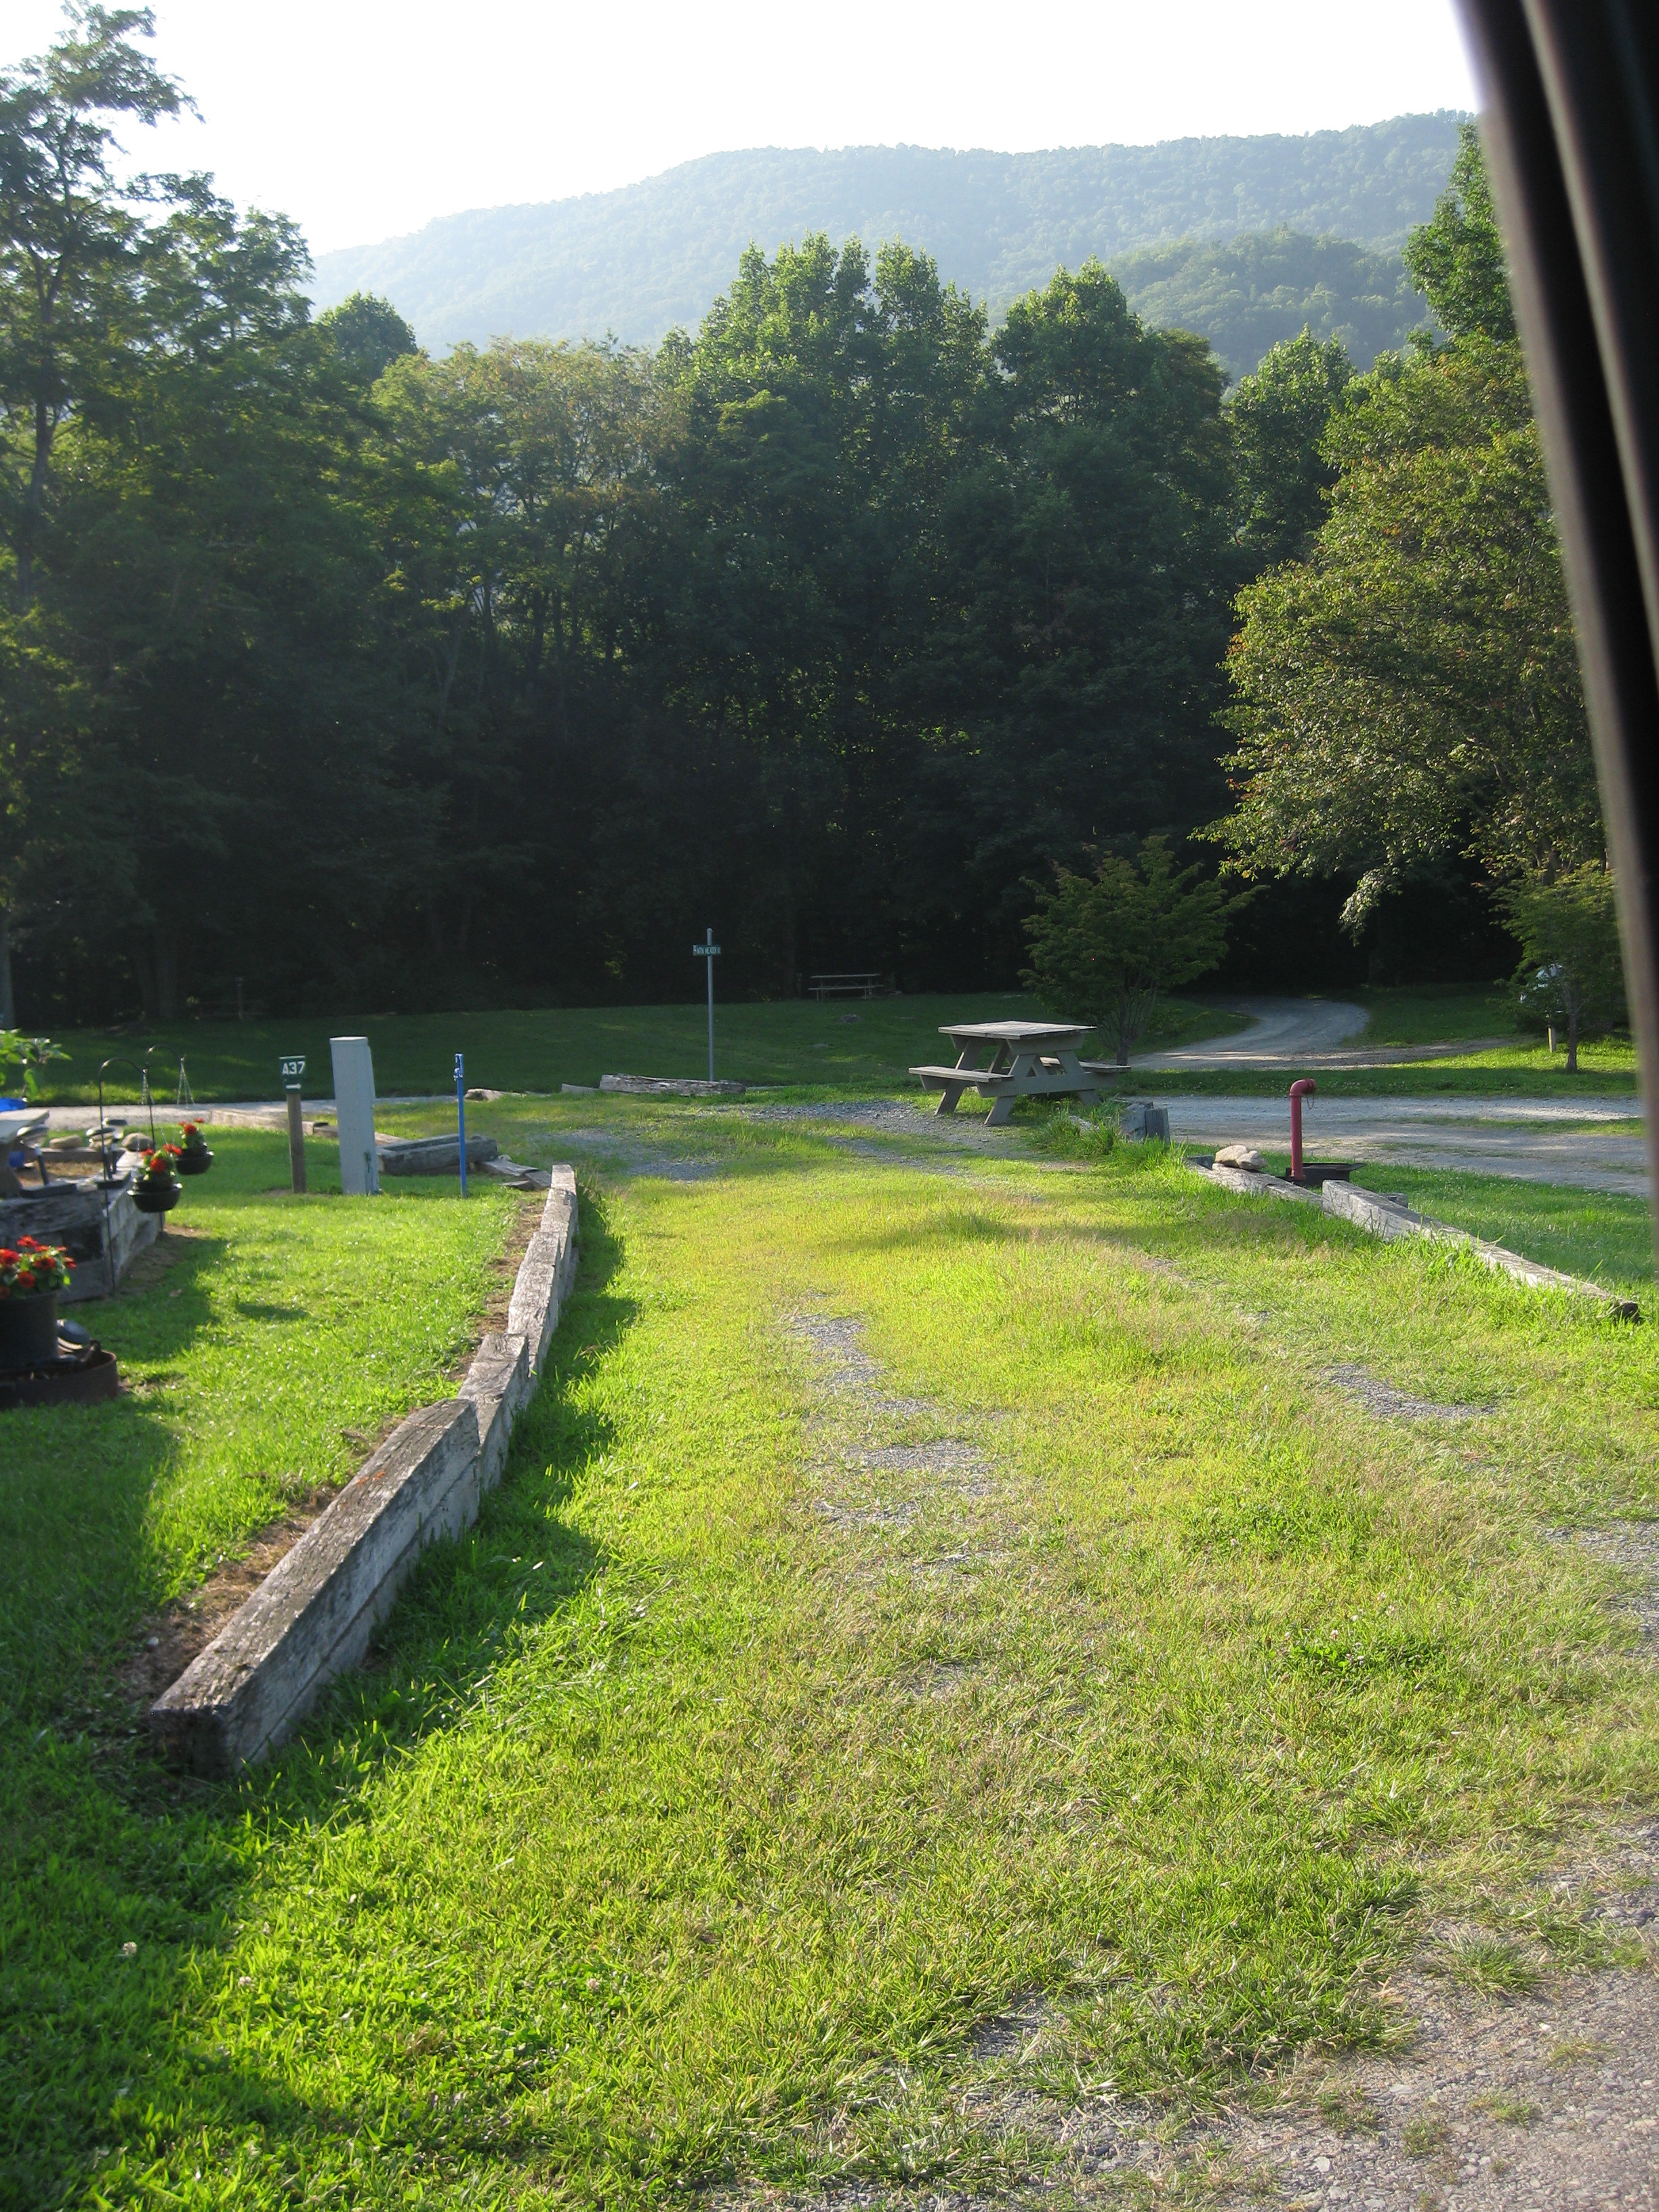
{"x":73,"y":263}
{"x":1278,"y":418}
{"x":367,"y":335}
{"x":1456,"y":258}
{"x":207,"y":784}
{"x":1411,"y":690}
{"x":73,"y":245}
{"x":29,"y":1055}
{"x":1570,"y":976}
{"x":1077,"y":648}
{"x":1104,"y":947}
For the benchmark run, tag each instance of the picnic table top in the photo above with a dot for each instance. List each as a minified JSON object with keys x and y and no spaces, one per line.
{"x":1016,"y":1032}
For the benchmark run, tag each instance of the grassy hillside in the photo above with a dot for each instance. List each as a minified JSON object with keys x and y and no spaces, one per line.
{"x":640,"y":260}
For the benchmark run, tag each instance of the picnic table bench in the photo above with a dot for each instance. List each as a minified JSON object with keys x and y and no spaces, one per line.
{"x":861,"y":984}
{"x":1029,"y":1059}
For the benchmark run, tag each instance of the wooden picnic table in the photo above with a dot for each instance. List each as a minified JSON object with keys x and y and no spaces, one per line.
{"x":1028,"y":1059}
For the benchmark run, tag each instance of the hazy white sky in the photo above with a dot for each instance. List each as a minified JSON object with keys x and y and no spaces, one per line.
{"x":363,"y":118}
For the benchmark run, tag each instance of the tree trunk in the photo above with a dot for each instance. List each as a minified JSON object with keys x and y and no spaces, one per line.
{"x":8,"y":1003}
{"x":1572,"y":1043}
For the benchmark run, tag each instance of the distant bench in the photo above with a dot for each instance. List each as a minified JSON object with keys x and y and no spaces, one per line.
{"x":845,"y":987}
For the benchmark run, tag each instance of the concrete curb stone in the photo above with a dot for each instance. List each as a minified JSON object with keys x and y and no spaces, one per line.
{"x":1390,"y":1219}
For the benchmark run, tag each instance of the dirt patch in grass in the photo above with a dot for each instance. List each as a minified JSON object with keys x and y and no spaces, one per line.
{"x":170,"y":1639}
{"x":157,"y":1258}
{"x":1388,"y":1404}
{"x":1543,"y":2099}
{"x":1633,"y":1546}
{"x":937,"y":1487}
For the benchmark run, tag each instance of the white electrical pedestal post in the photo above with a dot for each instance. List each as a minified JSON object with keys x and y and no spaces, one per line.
{"x":354,"y":1114}
{"x":711,"y":953}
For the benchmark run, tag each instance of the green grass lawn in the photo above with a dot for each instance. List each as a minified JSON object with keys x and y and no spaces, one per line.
{"x":787,"y":1716}
{"x":861,"y":1044}
{"x":800,"y":1045}
{"x":1435,"y":1013}
{"x":272,"y":1336}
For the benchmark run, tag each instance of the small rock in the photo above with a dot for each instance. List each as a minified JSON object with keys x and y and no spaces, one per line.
{"x":1241,"y":1156}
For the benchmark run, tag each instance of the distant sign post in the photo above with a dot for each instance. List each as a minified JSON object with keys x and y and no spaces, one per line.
{"x":461,"y":1114}
{"x":292,"y":1073}
{"x":711,"y":953}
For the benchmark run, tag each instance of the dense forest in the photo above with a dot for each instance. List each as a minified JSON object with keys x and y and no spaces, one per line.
{"x":1247,"y":294}
{"x":378,"y":679}
{"x":652,"y":257}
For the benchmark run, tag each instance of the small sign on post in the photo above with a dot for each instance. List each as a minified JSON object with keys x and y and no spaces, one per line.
{"x":711,"y":953}
{"x":293,"y":1072}
{"x":460,"y":1115}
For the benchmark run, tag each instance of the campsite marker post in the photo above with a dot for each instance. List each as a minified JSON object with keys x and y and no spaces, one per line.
{"x":710,"y":952}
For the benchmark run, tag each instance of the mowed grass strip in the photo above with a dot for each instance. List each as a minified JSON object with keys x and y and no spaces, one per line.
{"x":707,"y":1794}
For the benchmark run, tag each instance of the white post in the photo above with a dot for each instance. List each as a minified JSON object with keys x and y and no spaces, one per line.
{"x":354,"y":1114}
{"x":711,"y":1003}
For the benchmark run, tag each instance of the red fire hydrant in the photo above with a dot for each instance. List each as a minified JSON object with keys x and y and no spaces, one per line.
{"x":1305,"y":1087}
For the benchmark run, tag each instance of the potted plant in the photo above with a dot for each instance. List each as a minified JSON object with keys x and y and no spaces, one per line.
{"x":194,"y":1157}
{"x":31,"y":1276}
{"x":156,"y":1185}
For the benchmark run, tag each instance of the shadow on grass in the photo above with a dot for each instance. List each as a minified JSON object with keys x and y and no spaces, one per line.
{"x":96,"y":1848}
{"x":75,"y":1570}
{"x":162,"y":1305}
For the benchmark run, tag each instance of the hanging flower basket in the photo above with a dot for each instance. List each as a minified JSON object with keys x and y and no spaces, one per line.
{"x":193,"y":1155}
{"x":31,"y":1277}
{"x":155,"y":1187}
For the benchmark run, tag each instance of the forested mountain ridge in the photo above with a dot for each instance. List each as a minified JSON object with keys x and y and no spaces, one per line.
{"x":640,"y":261}
{"x":1250,"y":293}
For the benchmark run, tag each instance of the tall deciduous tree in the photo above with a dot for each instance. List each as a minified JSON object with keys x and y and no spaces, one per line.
{"x":73,"y":261}
{"x":1278,"y":417}
{"x":1076,"y":653}
{"x":1411,"y":690}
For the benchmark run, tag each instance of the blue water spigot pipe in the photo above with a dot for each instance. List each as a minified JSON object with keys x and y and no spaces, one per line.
{"x":461,"y":1114}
